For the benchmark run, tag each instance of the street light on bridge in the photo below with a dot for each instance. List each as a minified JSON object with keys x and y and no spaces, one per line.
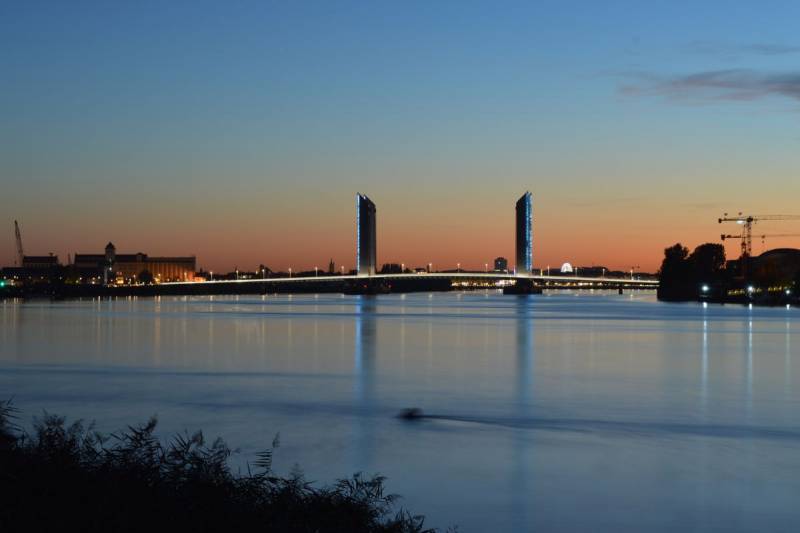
{"x":290,"y":272}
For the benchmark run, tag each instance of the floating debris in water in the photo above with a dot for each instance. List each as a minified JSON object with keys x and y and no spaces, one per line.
{"x":411,"y":413}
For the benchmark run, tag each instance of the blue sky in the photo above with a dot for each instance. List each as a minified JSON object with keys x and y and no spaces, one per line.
{"x":231,"y":129}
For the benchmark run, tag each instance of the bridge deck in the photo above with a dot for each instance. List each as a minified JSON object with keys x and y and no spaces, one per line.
{"x":437,"y":275}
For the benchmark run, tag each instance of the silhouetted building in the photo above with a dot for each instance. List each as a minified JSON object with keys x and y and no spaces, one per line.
{"x":112,"y":265}
{"x":39,"y":262}
{"x":524,"y":250}
{"x":35,"y":269}
{"x":391,"y":268}
{"x":366,"y":256}
{"x":780,"y":266}
{"x":331,"y":267}
{"x":501,"y":264}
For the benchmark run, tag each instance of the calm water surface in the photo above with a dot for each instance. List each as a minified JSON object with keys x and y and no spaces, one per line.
{"x":575,"y":412}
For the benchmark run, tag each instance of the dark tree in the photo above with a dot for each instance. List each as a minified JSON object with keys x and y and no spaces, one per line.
{"x":708,"y":261}
{"x":146,"y":277}
{"x":676,"y":279}
{"x":674,"y":262}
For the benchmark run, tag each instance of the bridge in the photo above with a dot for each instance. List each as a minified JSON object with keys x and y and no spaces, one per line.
{"x":366,"y":274}
{"x":454,"y":276}
{"x":405,"y":282}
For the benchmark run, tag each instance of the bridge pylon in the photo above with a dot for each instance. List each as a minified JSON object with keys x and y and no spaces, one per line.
{"x":366,"y":238}
{"x":524,"y":227}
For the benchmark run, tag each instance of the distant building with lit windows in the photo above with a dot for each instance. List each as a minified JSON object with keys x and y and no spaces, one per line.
{"x":501,"y":264}
{"x":366,"y":238}
{"x":40,"y":262}
{"x":111,"y":266}
{"x":524,"y":226}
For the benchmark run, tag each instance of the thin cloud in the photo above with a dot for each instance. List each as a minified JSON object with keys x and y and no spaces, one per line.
{"x":733,"y":51}
{"x":716,"y":85}
{"x":772,"y":49}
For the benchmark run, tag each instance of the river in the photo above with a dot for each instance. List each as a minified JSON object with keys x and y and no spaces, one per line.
{"x":563,"y":411}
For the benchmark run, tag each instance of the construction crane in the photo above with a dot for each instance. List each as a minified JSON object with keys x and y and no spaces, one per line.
{"x":763,"y":237}
{"x":20,"y":252}
{"x":747,"y":221}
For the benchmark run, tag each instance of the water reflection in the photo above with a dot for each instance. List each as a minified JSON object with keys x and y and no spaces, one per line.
{"x":704,"y":368}
{"x":524,"y":348}
{"x":787,"y":360}
{"x":749,"y":373}
{"x":364,"y":355}
{"x":522,"y":450}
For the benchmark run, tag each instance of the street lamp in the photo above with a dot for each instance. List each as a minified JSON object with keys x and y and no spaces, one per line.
{"x":402,"y":267}
{"x":212,"y":275}
{"x":458,"y":267}
{"x":316,"y":272}
{"x":342,"y":267}
{"x":486,"y":267}
{"x":290,"y":272}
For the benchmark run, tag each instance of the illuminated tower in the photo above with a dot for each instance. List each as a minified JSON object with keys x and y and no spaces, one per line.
{"x":365,"y":236}
{"x":524,"y":264}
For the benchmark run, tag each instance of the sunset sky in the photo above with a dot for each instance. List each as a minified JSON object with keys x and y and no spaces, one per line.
{"x":240,"y":131}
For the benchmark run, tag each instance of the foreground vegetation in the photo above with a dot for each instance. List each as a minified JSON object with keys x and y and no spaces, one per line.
{"x":70,"y":477}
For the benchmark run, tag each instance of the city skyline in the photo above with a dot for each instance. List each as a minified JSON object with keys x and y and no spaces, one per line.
{"x":240,"y":135}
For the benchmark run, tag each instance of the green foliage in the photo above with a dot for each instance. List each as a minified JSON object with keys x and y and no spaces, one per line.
{"x":66,"y":474}
{"x":145,"y":276}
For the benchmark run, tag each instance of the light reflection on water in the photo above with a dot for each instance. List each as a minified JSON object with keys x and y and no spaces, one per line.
{"x":568,"y":411}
